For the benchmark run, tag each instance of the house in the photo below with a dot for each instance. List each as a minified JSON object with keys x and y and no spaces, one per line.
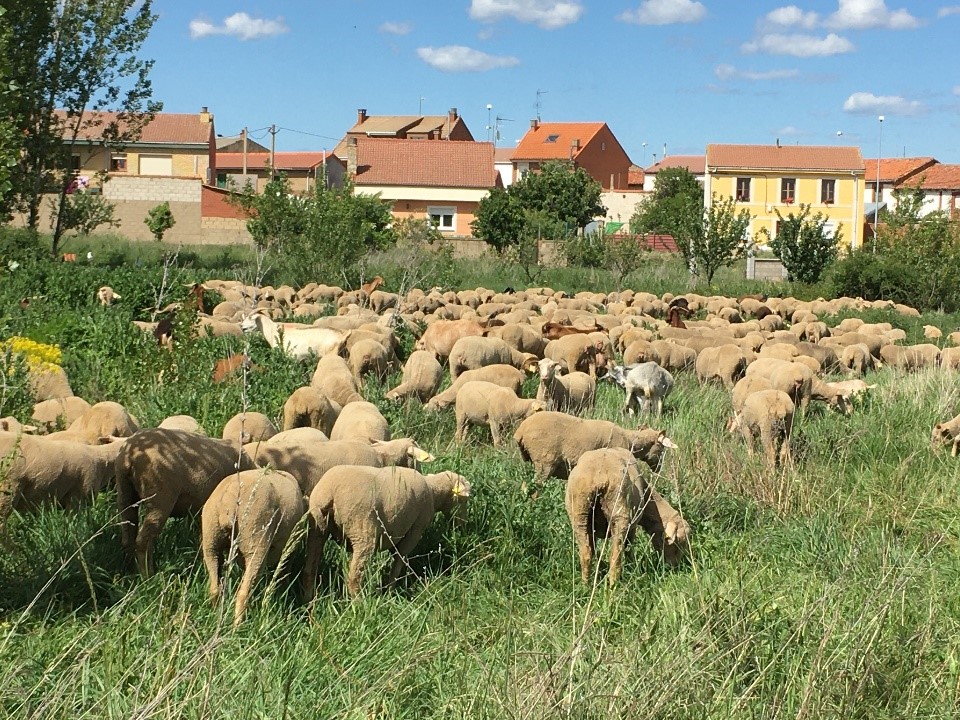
{"x":768,"y":178}
{"x":234,"y":144}
{"x":890,"y":173}
{"x":588,"y":145}
{"x":441,"y":181}
{"x":694,"y":163}
{"x":941,"y":188}
{"x":302,"y":169}
{"x":504,"y":164}
{"x":405,"y":127}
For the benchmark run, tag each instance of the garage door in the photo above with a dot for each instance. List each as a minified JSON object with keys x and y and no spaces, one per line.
{"x":156,"y":165}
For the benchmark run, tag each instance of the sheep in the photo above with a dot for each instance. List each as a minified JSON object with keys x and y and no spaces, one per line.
{"x":947,"y":433}
{"x":308,"y":407}
{"x":646,"y":386}
{"x":182,"y":422}
{"x":836,"y":396}
{"x":470,"y":353}
{"x":555,"y":331}
{"x":297,"y":342}
{"x":163,"y":472}
{"x":503,"y":375}
{"x":724,"y":363}
{"x":573,"y":393}
{"x":910,"y":357}
{"x":577,"y":352}
{"x":48,"y":383}
{"x":442,"y":335}
{"x":606,"y":496}
{"x":673,"y":357}
{"x":376,"y":509}
{"x":299,"y":436}
{"x":747,"y":386}
{"x":360,"y":421}
{"x":35,"y":470}
{"x":554,"y":441}
{"x":422,"y":375}
{"x":950,"y":358}
{"x":793,"y":379}
{"x":257,"y":510}
{"x":245,"y":427}
{"x":335,"y":380}
{"x":857,"y":360}
{"x":106,"y":295}
{"x":954,"y":338}
{"x":369,"y":357}
{"x":10,"y":424}
{"x":932,"y":332}
{"x":851,"y":387}
{"x":769,"y":414}
{"x":480,"y":402}
{"x":104,"y":419}
{"x":49,"y":412}
{"x":520,"y":336}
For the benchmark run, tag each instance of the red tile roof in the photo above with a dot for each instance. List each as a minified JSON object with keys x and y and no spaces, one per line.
{"x":425,"y":163}
{"x":894,"y":170}
{"x":166,"y":128}
{"x":936,"y":177}
{"x":635,"y":175}
{"x":694,"y":163}
{"x":502,"y":154}
{"x":785,"y":157}
{"x":553,"y":140}
{"x":282,"y":160}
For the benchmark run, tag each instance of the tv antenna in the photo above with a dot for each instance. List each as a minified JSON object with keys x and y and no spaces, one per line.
{"x":539,"y":101}
{"x":496,"y":128}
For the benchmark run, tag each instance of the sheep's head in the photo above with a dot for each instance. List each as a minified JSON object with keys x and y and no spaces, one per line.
{"x":674,"y":541}
{"x":418,"y":454}
{"x":941,"y":435}
{"x":535,"y":406}
{"x":451,"y":492}
{"x":547,"y":369}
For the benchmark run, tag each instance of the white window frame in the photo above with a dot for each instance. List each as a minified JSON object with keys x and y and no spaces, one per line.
{"x":443,"y":211}
{"x":114,"y":157}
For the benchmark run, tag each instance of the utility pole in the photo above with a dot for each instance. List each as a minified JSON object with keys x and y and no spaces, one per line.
{"x":273,"y":151}
{"x":243,"y":134}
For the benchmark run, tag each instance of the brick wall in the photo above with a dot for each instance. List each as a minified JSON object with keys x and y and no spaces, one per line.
{"x":155,"y":189}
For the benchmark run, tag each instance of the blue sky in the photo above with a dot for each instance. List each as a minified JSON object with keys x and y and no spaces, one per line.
{"x":676,"y":72}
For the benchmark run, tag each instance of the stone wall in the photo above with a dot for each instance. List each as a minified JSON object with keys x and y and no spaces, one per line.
{"x":769,"y":269}
{"x":154,"y":189}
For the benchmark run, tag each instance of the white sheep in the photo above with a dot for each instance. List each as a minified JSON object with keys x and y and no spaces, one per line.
{"x":376,"y":509}
{"x":360,"y":421}
{"x":106,"y":295}
{"x":502,"y":375}
{"x":947,"y":433}
{"x":335,"y":380}
{"x":480,"y":402}
{"x":573,"y":392}
{"x":646,"y":386}
{"x":186,"y":423}
{"x":470,"y":353}
{"x":422,"y":375}
{"x":104,"y":419}
{"x":49,"y":412}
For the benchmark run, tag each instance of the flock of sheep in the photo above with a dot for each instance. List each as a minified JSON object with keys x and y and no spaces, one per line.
{"x":334,"y":459}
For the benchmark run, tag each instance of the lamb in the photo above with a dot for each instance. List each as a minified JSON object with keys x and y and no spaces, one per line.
{"x":35,"y":470}
{"x":947,"y":433}
{"x":606,"y":496}
{"x":577,"y":352}
{"x":470,"y":353}
{"x":335,"y":380}
{"x":297,"y":342}
{"x":503,"y":375}
{"x":246,"y":427}
{"x":376,"y":509}
{"x":573,"y":393}
{"x":360,"y":421}
{"x":162,"y":472}
{"x":646,"y":385}
{"x":554,"y":441}
{"x":105,"y":419}
{"x":769,"y":414}
{"x":106,"y":295}
{"x":308,"y":407}
{"x":480,"y":402}
{"x":49,"y":412}
{"x":724,"y":363}
{"x":182,"y":422}
{"x":257,"y":510}
{"x":422,"y":375}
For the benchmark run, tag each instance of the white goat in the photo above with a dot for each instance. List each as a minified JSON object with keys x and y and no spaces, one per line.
{"x":646,"y":385}
{"x":297,"y":342}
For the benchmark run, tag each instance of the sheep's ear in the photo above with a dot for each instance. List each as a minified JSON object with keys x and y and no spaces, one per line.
{"x":461,"y":488}
{"x":670,"y":532}
{"x":420,"y":455}
{"x":117,"y":296}
{"x":667,"y":442}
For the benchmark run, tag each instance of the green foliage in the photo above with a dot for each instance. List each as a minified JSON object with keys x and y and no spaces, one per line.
{"x":677,"y":199}
{"x":587,"y":250}
{"x":422,"y":257}
{"x":621,"y":255}
{"x":804,"y":246}
{"x":570,"y":195}
{"x":9,"y":142}
{"x":714,"y":239}
{"x":159,"y":219}
{"x":83,"y":212}
{"x":499,"y":219}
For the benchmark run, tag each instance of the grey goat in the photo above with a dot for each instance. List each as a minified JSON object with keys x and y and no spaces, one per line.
{"x":646,"y":385}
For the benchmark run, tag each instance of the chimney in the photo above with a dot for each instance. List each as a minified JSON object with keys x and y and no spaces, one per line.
{"x":361,"y":116}
{"x":452,"y":116}
{"x":664,"y":150}
{"x":574,"y":146}
{"x":352,"y":156}
{"x":206,"y":117}
{"x":778,"y":142}
{"x":535,"y":124}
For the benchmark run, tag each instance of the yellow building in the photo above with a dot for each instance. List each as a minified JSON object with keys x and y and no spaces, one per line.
{"x":768,"y":178}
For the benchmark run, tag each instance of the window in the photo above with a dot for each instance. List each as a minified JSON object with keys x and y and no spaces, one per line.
{"x":788,"y":190}
{"x":118,"y":162}
{"x":75,"y":164}
{"x":743,"y":189}
{"x":552,"y":138}
{"x":443,"y":218}
{"x":828,"y":192}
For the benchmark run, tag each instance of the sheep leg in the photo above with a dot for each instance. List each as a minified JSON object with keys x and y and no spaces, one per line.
{"x":250,"y":574}
{"x":768,"y":440}
{"x":316,"y":539}
{"x":153,"y":522}
{"x":618,"y":539}
{"x":461,"y":434}
{"x":584,"y":541}
{"x":496,"y":430}
{"x":956,"y":446}
{"x":747,"y":436}
{"x":362,"y":552}
{"x":213,"y":560}
{"x":401,"y":551}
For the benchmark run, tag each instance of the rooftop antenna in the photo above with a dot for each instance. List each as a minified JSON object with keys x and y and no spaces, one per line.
{"x":420,"y":107}
{"x":496,"y":128}
{"x":539,"y":102}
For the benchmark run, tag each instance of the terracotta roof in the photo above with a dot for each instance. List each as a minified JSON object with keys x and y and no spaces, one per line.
{"x":167,"y":128}
{"x":785,"y":157}
{"x":503,"y":154}
{"x":553,"y":140}
{"x":425,"y":163}
{"x":936,"y":177}
{"x":896,"y":170}
{"x":694,"y":163}
{"x":282,"y":160}
{"x":635,"y":175}
{"x":402,"y":125}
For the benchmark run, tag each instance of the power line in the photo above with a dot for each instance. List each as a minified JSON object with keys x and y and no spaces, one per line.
{"x":304,"y":132}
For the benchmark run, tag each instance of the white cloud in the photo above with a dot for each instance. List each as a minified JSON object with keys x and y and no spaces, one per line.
{"x":948,"y":10}
{"x":865,"y":14}
{"x":239,"y":25}
{"x":865,"y":103}
{"x":665,"y":12}
{"x":729,"y":72}
{"x":548,"y":14}
{"x":457,"y":58}
{"x":799,"y":45}
{"x":791,"y":16}
{"x":396,"y":28}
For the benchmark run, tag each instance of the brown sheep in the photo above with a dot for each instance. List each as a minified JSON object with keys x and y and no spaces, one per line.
{"x":245,"y":427}
{"x":769,"y":414}
{"x":442,"y":335}
{"x":422,"y":375}
{"x":910,"y":357}
{"x":947,"y":433}
{"x":792,"y":378}
{"x":361,"y":421}
{"x":480,"y":402}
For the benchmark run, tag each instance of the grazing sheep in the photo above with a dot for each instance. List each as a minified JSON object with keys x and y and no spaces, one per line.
{"x":520,"y":336}
{"x":954,"y":338}
{"x":106,"y":295}
{"x":246,"y":427}
{"x":673,"y":357}
{"x":105,"y":419}
{"x":48,"y":383}
{"x":369,"y":357}
{"x":182,"y":422}
{"x":835,"y":396}
{"x":376,"y":509}
{"x":335,"y":380}
{"x":857,"y":359}
{"x":794,"y":379}
{"x":769,"y":414}
{"x":578,"y":352}
{"x":646,"y":386}
{"x":851,"y":387}
{"x":308,"y":407}
{"x":442,"y":335}
{"x":480,"y":402}
{"x":932,"y":332}
{"x":10,"y":424}
{"x":572,"y":393}
{"x":554,"y":441}
{"x":257,"y":510}
{"x":723,"y":363}
{"x":503,"y":375}
{"x":747,"y":386}
{"x":48,"y":413}
{"x":947,"y":433}
{"x":639,"y":351}
{"x":910,"y":357}
{"x":298,"y":436}
{"x":470,"y":353}
{"x":164,"y":472}
{"x":606,"y":496}
{"x":361,"y":421}
{"x":35,"y":470}
{"x":422,"y":375}
{"x":950,"y":358}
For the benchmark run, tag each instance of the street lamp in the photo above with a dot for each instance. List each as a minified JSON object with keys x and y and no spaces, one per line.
{"x":644,"y":146}
{"x":876,"y":193}
{"x":489,"y":124}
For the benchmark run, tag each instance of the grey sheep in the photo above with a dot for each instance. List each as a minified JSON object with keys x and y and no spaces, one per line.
{"x":245,"y":427}
{"x":607,"y":497}
{"x":309,"y":407}
{"x":255,"y":511}
{"x":769,"y":415}
{"x":373,"y":510}
{"x":572,"y":393}
{"x":470,"y":353}
{"x":646,"y":386}
{"x":502,"y":375}
{"x":554,"y":441}
{"x":947,"y":433}
{"x":422,"y":375}
{"x":360,"y":421}
{"x":480,"y":402}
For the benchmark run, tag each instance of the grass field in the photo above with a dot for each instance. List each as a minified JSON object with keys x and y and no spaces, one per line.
{"x":826,"y":590}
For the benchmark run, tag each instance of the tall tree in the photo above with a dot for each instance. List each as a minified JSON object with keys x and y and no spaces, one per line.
{"x":570,"y":195}
{"x":499,"y":220}
{"x":677,"y":199}
{"x":715,"y":239}
{"x":72,"y":60}
{"x":9,"y":147}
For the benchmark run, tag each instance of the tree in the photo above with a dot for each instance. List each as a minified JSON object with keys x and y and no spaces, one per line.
{"x":677,"y":199}
{"x":9,"y":145}
{"x":499,"y":220}
{"x":83,"y":212}
{"x":159,"y":219}
{"x":715,"y":239}
{"x":570,"y":195}
{"x":804,"y":246}
{"x":72,"y":60}
{"x":626,"y":254}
